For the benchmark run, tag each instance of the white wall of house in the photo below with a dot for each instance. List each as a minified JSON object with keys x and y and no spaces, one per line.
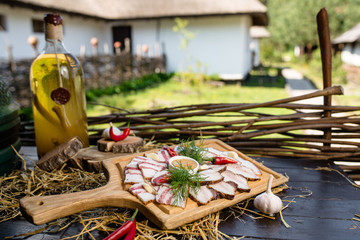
{"x":77,"y":32}
{"x":220,"y":46}
{"x":350,"y":54}
{"x":255,"y":51}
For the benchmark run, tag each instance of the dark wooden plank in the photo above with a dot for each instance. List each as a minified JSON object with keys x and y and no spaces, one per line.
{"x":301,"y":228}
{"x":333,"y":191}
{"x":311,"y":175}
{"x":21,"y":226}
{"x":325,"y":209}
{"x":293,"y":163}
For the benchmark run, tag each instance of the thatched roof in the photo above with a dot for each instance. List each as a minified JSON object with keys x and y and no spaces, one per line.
{"x":147,"y":9}
{"x":353,"y":35}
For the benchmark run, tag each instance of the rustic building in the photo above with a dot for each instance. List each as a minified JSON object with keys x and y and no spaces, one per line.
{"x":349,"y":45}
{"x":221,"y":42}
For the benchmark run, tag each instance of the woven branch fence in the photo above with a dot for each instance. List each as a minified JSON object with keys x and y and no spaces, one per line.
{"x":298,"y":133}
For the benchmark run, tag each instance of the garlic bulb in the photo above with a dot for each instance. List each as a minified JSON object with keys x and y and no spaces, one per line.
{"x":268,"y":202}
{"x":106,"y":133}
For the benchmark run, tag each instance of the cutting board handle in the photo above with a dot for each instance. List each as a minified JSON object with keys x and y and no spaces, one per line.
{"x":42,"y":209}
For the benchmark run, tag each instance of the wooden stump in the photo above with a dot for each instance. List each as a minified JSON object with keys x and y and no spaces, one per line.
{"x":59,"y":155}
{"x":130,"y":144}
{"x":90,"y":159}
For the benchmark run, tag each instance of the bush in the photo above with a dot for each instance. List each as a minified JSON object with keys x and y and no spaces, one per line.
{"x":128,"y":86}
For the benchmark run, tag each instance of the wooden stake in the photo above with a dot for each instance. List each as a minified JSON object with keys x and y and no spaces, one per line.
{"x":325,"y":47}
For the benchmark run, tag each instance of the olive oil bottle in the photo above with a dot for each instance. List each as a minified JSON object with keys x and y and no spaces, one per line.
{"x":58,"y":92}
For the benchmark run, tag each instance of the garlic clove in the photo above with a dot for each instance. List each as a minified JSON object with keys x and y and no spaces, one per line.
{"x":232,"y":154}
{"x":268,"y":202}
{"x":106,"y":133}
{"x":153,"y":156}
{"x":203,"y":167}
{"x":149,"y":188}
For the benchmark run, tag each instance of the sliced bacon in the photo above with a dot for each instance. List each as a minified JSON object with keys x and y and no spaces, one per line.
{"x":131,"y":178}
{"x":165,"y":196}
{"x":214,"y":152}
{"x":217,"y":168}
{"x":160,"y":177}
{"x":163,"y":156}
{"x":203,"y":196}
{"x":148,"y":169}
{"x":139,"y":191}
{"x":210,"y":177}
{"x":225,"y":189}
{"x":135,"y":161}
{"x":133,"y":171}
{"x":250,"y":165}
{"x":243,"y":171}
{"x":240,"y":181}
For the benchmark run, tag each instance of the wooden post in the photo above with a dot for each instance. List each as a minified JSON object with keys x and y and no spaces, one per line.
{"x":325,"y":47}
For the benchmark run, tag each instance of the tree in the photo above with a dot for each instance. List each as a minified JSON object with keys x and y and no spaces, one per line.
{"x":293,"y":23}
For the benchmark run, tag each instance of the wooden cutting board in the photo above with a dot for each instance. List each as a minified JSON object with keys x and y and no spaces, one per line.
{"x":42,"y":209}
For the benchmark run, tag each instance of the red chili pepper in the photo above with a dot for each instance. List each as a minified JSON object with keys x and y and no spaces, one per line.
{"x":126,"y":228}
{"x":120,"y":137}
{"x":171,"y":151}
{"x":131,"y":234}
{"x":164,"y":179}
{"x":224,"y":160}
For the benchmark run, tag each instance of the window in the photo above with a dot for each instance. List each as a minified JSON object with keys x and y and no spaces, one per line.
{"x":2,"y":23}
{"x":38,"y":26}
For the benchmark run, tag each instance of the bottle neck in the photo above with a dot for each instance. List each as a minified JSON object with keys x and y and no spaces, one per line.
{"x":54,"y":47}
{"x":54,"y":38}
{"x":53,"y":32}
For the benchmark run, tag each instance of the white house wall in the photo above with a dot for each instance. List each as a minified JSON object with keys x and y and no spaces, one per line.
{"x":350,"y":54}
{"x":220,"y":46}
{"x":77,"y":32}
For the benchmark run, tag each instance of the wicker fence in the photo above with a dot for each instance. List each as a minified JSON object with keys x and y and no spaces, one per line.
{"x":297,"y":134}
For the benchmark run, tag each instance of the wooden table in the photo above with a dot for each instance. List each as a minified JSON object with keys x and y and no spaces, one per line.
{"x":324,"y":207}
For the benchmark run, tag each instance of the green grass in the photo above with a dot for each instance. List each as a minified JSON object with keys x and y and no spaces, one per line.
{"x":175,"y":93}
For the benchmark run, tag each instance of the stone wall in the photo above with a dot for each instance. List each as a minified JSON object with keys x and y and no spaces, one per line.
{"x":99,"y":71}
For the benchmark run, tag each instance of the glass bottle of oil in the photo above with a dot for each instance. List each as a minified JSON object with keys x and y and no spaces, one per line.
{"x":58,"y":91}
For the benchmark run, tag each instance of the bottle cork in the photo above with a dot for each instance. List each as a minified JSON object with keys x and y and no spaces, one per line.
{"x":53,"y":27}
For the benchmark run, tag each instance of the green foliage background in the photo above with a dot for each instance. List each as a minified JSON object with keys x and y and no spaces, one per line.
{"x":293,"y":22}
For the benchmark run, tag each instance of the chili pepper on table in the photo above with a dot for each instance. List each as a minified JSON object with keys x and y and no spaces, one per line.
{"x":171,"y":151}
{"x":120,"y":137}
{"x":131,"y":234}
{"x":223,"y":160}
{"x":127,"y":228}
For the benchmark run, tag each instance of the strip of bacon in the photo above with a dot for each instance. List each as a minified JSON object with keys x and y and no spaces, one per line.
{"x":243,"y":171}
{"x":203,"y":196}
{"x":166,"y":196}
{"x":225,"y":189}
{"x":139,"y":191}
{"x":240,"y":181}
{"x":131,"y":178}
{"x":160,"y":177}
{"x":163,"y":156}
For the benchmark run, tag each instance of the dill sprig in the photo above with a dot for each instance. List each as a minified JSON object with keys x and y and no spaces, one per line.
{"x":181,"y":181}
{"x":189,"y":148}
